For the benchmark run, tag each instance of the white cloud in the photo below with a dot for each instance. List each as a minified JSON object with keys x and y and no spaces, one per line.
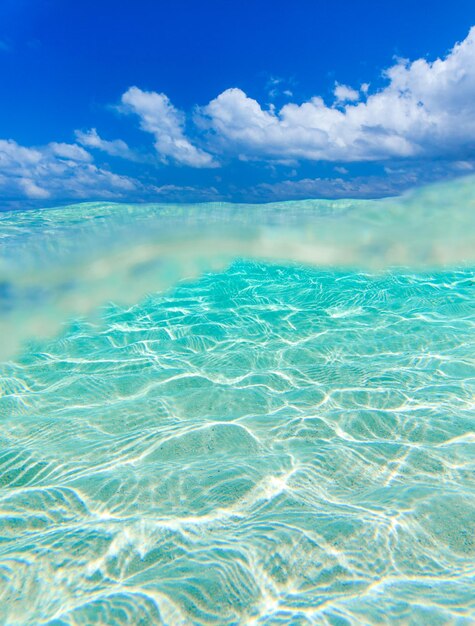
{"x":276,"y":87}
{"x":426,"y":109}
{"x":343,"y":93}
{"x":69,"y":151}
{"x":159,"y":117}
{"x":117,"y":147}
{"x":57,"y":170}
{"x":32,"y":190}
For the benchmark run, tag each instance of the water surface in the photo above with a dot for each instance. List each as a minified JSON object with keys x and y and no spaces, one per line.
{"x":267,"y":442}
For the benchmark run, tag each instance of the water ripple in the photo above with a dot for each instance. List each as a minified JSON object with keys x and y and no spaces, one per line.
{"x":266,"y":445}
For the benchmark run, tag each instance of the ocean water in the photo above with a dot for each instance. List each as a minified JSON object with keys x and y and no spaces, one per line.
{"x":226,"y":414}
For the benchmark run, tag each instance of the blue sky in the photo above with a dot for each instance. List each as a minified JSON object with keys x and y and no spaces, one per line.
{"x":241,"y":100}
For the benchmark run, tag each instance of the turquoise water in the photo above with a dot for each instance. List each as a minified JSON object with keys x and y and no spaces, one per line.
{"x":265,"y":442}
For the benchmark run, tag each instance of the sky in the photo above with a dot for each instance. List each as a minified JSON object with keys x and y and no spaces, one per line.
{"x":232,"y":100}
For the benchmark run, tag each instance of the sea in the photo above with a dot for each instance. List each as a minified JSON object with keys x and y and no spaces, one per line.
{"x":234,"y":414}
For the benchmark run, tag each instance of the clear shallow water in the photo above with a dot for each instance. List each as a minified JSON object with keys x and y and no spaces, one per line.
{"x":264,"y":444}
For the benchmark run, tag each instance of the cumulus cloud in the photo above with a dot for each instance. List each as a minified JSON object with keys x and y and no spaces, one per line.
{"x":32,"y":190}
{"x":343,"y":93}
{"x":116,"y":147}
{"x":426,"y":109}
{"x":68,"y":151}
{"x":159,"y":117}
{"x":57,"y":170}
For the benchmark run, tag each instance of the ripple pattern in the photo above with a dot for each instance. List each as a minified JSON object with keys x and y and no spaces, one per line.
{"x":267,"y":445}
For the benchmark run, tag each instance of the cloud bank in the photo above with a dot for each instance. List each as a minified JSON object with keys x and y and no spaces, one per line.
{"x":427,"y":109}
{"x":56,"y":170}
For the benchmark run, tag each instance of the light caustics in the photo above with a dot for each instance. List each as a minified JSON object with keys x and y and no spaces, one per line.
{"x":278,"y":439}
